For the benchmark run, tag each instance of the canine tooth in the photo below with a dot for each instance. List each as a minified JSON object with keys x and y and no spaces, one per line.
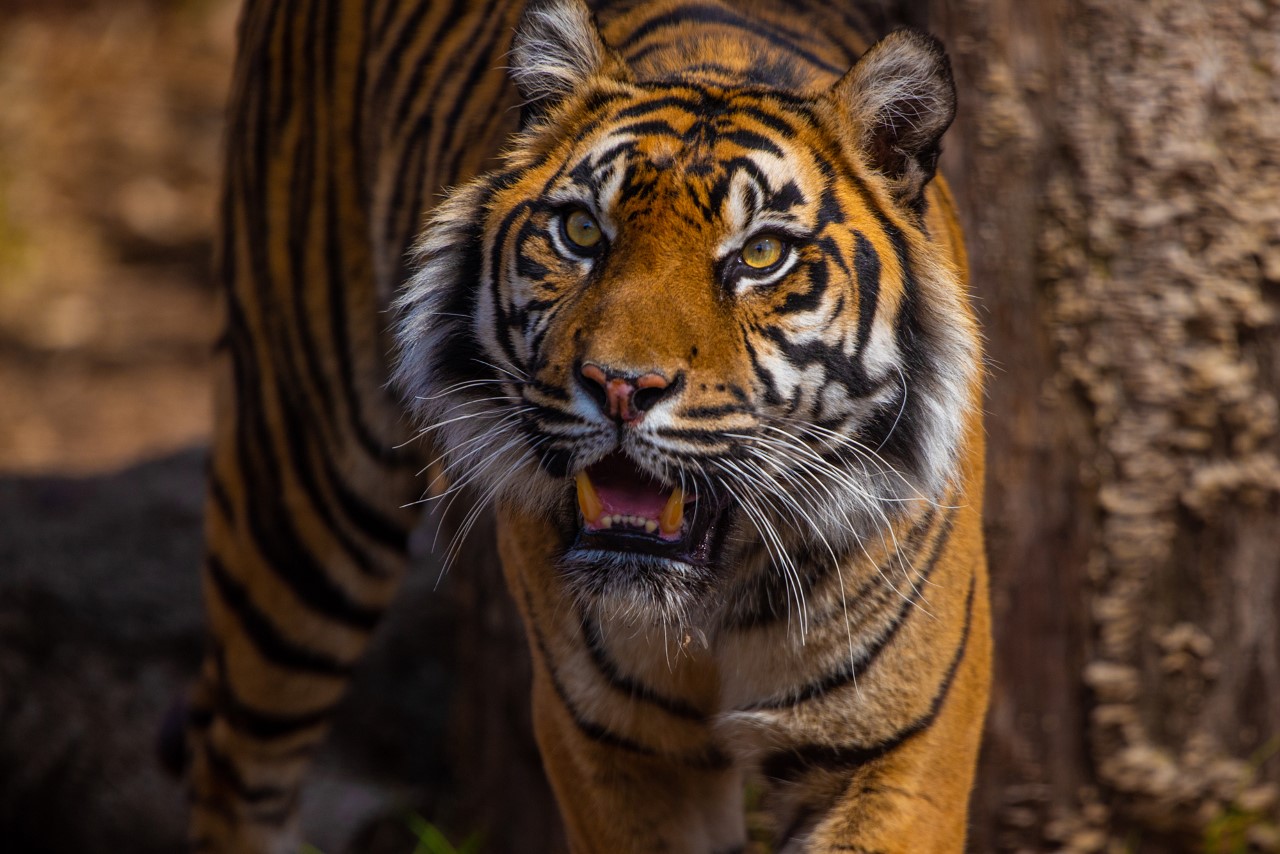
{"x":588,"y":500}
{"x":650,"y":526}
{"x":673,"y":513}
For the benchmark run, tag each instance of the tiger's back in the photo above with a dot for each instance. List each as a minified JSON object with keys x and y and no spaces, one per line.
{"x":799,"y":594}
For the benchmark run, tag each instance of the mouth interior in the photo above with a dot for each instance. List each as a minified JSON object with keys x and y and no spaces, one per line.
{"x":622,"y":508}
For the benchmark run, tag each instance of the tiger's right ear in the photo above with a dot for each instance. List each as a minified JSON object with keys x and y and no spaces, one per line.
{"x":557,"y":49}
{"x":895,"y":103}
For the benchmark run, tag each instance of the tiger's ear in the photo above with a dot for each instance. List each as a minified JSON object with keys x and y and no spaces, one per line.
{"x":895,"y":103}
{"x":557,"y":49}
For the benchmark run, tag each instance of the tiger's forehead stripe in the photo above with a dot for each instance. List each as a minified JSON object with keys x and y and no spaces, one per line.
{"x":675,"y":129}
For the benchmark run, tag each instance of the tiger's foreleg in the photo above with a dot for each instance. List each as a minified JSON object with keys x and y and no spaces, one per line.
{"x":305,"y":546}
{"x":617,"y":797}
{"x":908,"y":793}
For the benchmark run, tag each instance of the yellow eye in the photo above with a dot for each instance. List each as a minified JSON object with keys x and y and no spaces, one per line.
{"x":582,"y":229}
{"x":762,"y":252}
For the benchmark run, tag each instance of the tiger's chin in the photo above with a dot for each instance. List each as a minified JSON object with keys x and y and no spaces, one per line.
{"x":642,"y":551}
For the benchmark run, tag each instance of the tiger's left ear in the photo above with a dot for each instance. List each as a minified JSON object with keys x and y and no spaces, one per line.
{"x":558,"y":49}
{"x":894,"y":104}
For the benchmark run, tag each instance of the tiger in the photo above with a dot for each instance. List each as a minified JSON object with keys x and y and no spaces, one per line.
{"x":693,"y":324}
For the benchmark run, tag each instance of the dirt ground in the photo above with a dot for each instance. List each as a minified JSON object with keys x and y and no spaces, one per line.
{"x":110,"y":132}
{"x":109,"y":139}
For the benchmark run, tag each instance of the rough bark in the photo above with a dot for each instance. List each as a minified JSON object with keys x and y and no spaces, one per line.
{"x":1118,"y":164}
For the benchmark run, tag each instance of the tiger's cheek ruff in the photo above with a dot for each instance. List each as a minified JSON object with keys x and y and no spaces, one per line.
{"x":460,"y":375}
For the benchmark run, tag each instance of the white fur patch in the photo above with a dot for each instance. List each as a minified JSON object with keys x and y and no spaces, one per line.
{"x":556,"y":50}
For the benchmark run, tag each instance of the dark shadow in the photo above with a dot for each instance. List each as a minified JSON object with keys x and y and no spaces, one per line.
{"x":101,"y":629}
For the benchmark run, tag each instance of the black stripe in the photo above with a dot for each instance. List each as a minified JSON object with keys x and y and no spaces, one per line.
{"x":221,"y":499}
{"x":650,"y":127}
{"x":481,"y":48}
{"x":497,"y":275}
{"x":710,"y":758}
{"x":394,"y":61}
{"x":419,"y":145}
{"x":790,"y":765}
{"x":693,"y":106}
{"x":750,"y":611}
{"x":692,"y":435}
{"x":751,"y":140}
{"x":849,"y":670}
{"x":312,"y":458}
{"x":261,"y":631}
{"x":590,"y":729}
{"x":635,"y":690}
{"x":256,"y":723}
{"x":798,"y":113}
{"x":717,"y":411}
{"x":271,"y":523}
{"x":810,"y":298}
{"x":724,"y":17}
{"x":225,"y":770}
{"x":282,"y":49}
{"x":298,"y":239}
{"x":338,"y":289}
{"x":763,"y":374}
{"x":866,"y":261}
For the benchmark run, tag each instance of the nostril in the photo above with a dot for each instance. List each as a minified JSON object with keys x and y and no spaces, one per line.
{"x":591,"y":378}
{"x":623,"y":395}
{"x":650,"y":389}
{"x":644,"y":399}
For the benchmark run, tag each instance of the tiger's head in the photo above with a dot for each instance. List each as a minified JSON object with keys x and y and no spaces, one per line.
{"x":693,"y":318}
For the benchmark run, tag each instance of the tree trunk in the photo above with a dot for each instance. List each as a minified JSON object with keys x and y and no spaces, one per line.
{"x":1118,"y":164}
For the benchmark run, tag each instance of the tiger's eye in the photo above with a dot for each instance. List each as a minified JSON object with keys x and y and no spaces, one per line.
{"x":762,"y":252}
{"x":582,"y":229}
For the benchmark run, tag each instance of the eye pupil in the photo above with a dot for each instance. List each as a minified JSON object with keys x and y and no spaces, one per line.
{"x":762,"y":252}
{"x":581,"y":229}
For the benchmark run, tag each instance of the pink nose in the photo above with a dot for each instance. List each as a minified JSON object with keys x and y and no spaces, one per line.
{"x":623,"y":397}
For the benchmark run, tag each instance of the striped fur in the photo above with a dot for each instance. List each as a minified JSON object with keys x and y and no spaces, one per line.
{"x":829,"y":634}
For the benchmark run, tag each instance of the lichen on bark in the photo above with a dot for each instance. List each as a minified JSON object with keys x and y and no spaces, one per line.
{"x":1164,"y":253}
{"x":1118,"y":164}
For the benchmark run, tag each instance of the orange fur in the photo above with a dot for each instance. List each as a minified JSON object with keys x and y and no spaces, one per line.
{"x":819,"y":622}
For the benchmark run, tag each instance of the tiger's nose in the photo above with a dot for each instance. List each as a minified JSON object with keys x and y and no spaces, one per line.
{"x":624,"y":397}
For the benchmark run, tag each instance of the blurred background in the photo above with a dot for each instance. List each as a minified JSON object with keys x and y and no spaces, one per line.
{"x":1118,"y":167}
{"x":111,"y":115}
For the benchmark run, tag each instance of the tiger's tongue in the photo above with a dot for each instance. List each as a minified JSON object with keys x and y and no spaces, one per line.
{"x":625,"y":489}
{"x":614,"y":490}
{"x":632,"y":499}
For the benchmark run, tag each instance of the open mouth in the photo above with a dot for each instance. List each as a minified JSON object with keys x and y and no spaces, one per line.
{"x":623,"y":509}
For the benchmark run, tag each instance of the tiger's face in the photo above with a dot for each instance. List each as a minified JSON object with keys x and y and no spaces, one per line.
{"x":689,"y":323}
